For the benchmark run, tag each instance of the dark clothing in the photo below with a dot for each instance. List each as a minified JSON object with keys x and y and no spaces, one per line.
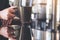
{"x":3,"y":4}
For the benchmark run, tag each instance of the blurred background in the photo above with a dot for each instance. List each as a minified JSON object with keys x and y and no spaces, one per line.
{"x":44,"y":17}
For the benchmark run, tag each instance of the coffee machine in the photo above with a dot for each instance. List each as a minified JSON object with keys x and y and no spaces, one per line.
{"x":22,"y":19}
{"x":43,"y":22}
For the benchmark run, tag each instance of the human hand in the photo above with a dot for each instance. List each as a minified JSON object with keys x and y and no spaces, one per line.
{"x":7,"y":13}
{"x":6,"y":33}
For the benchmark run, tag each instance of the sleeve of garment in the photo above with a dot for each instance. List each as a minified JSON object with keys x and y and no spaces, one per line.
{"x":3,"y":38}
{"x":7,"y":4}
{"x":4,"y":4}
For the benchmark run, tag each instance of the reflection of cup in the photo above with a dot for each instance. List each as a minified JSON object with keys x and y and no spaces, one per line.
{"x":16,"y":31}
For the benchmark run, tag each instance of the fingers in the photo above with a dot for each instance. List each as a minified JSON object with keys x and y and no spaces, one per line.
{"x":11,"y":39}
{"x":11,"y":12}
{"x":12,"y":9}
{"x":7,"y":13}
{"x":11,"y":32}
{"x":4,"y":32}
{"x":7,"y":32}
{"x":10,"y":16}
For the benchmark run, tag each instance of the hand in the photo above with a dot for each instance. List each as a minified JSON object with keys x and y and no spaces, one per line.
{"x":12,"y":39}
{"x":6,"y":33}
{"x":7,"y":13}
